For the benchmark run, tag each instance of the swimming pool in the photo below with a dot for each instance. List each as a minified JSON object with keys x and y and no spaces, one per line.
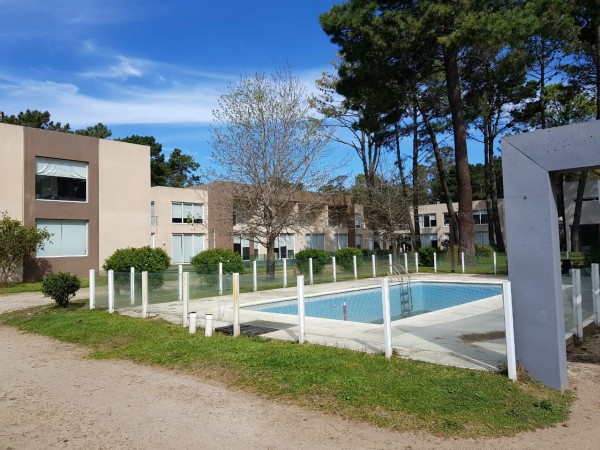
{"x":365,"y":305}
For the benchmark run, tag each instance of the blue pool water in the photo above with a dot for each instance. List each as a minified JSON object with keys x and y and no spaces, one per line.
{"x":365,"y":305}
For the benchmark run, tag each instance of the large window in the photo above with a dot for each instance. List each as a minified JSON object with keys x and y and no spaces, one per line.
{"x":480,"y":217}
{"x":427,"y":220}
{"x":284,"y":246}
{"x":335,"y":218}
{"x":60,"y":179}
{"x":341,"y":241}
{"x":316,"y":241}
{"x":358,"y":238}
{"x":185,"y":246}
{"x":187,"y":213}
{"x":241,"y":246}
{"x":358,"y":220}
{"x":429,"y":240}
{"x":69,"y":238}
{"x":482,"y":237}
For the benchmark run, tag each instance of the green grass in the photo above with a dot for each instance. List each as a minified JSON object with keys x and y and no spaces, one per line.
{"x":35,"y":286}
{"x":397,"y":394}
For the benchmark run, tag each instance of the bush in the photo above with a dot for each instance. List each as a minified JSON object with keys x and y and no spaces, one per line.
{"x":343,"y":257}
{"x":207,"y":261}
{"x":426,"y":256}
{"x":483,"y":250}
{"x":320,"y":259}
{"x":592,"y":256}
{"x":143,"y":259}
{"x":60,"y":287}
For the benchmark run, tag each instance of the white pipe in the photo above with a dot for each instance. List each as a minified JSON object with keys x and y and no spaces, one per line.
{"x":462,"y":259}
{"x":284,"y":272}
{"x":208,"y":324}
{"x":186,"y":299}
{"x":144,"y":295}
{"x":495,"y":265}
{"x":180,"y":281}
{"x":416,"y":262}
{"x":132,"y":285}
{"x":300,"y":294}
{"x":220,"y":278}
{"x":596,"y":291}
{"x":387,"y":321}
{"x":511,"y":359}
{"x":236,"y":304}
{"x":406,"y":262}
{"x":390,"y":264}
{"x":92,"y":283}
{"x":355,"y":268}
{"x":334,"y":269}
{"x":111,"y":291}
{"x":577,"y":312}
{"x":434,"y":262}
{"x":254,"y":277}
{"x":310,"y":270}
{"x":374,"y":266}
{"x":193,"y":324}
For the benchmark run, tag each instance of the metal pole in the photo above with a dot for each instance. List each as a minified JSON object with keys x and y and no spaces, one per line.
{"x":387,"y":322}
{"x":144,"y":294}
{"x":495,"y":265}
{"x":434,"y":262}
{"x":577,"y":312}
{"x":596,"y":291}
{"x":355,"y":268}
{"x":406,"y":262}
{"x":300,"y":294}
{"x":416,"y":262}
{"x":374,"y":266}
{"x":180,"y":281}
{"x":132,"y":285}
{"x":462,"y":261}
{"x":186,"y":298}
{"x":284,"y":272}
{"x":220,"y":278}
{"x":111,"y":291}
{"x":236,"y":304}
{"x":92,"y":289}
{"x":254,"y":277}
{"x":310,"y":270}
{"x":334,"y":269}
{"x":390,"y":264}
{"x":511,"y":359}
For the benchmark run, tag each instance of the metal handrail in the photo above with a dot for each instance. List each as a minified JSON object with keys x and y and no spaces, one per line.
{"x":398,"y":275}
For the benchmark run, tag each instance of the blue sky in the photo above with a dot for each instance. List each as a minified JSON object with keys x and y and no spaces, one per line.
{"x":152,"y":67}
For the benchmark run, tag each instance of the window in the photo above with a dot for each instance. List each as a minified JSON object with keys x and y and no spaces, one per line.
{"x":446,"y":219}
{"x":358,"y":241}
{"x":358,"y":220}
{"x":335,"y":218}
{"x":316,"y":241}
{"x":341,"y":241}
{"x":59,"y":179}
{"x":284,"y":246}
{"x":429,"y":240}
{"x":482,"y":237}
{"x":69,"y":238}
{"x":153,"y":218}
{"x":241,"y":246}
{"x":480,"y":217}
{"x":185,"y":246}
{"x":427,"y":220}
{"x":187,"y":213}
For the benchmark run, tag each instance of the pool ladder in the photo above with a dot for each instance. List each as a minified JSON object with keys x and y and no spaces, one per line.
{"x":406,"y":304}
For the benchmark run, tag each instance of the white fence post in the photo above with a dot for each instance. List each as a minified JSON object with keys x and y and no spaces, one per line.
{"x":193,"y":318}
{"x":577,"y":312}
{"x":511,"y":359}
{"x":406,"y":262}
{"x":387,"y":321}
{"x":132,"y":285}
{"x":254,"y":277}
{"x":180,"y":281}
{"x":220,"y":278}
{"x":390,"y":264}
{"x":462,"y":261}
{"x":300,"y":294}
{"x":186,"y":298}
{"x":284,"y":272}
{"x":355,"y":267}
{"x":416,"y":262}
{"x":434,"y":262}
{"x":334,"y":269}
{"x":374,"y":266}
{"x":111,"y":291}
{"x":495,"y":265}
{"x":92,"y":284}
{"x":596,"y":291}
{"x":236,"y":304}
{"x":144,"y":295}
{"x":310,"y":270}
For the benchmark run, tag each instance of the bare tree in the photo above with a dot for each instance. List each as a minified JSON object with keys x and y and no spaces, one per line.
{"x":268,"y":149}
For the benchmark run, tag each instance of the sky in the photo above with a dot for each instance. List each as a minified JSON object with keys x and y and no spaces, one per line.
{"x":151,"y":67}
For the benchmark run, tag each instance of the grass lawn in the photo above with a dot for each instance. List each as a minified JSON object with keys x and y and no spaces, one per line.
{"x":398,"y":394}
{"x":35,"y":286}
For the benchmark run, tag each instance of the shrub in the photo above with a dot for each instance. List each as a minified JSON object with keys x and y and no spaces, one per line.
{"x":143,"y":259}
{"x":343,"y":257}
{"x":592,"y":256}
{"x":426,"y":256}
{"x":320,"y":259}
{"x":483,"y":250}
{"x":207,"y":261}
{"x":60,"y":287}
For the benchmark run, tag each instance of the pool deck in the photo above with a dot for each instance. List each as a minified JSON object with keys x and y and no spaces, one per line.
{"x":469,"y":335}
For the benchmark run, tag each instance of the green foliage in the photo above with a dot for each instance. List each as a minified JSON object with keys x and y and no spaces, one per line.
{"x":16,"y":241}
{"x":207,"y":261}
{"x":60,"y":287}
{"x":592,"y":256}
{"x":143,"y":259}
{"x":320,"y":259}
{"x":483,"y":250}
{"x":99,"y":131}
{"x":426,"y":256}
{"x":344,"y":258}
{"x":37,"y":119}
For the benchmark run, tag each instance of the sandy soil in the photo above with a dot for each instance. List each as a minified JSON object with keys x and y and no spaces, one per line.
{"x":51,"y":396}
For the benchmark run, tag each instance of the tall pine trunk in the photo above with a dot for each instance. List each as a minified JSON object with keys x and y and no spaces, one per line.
{"x":415,"y":175}
{"x":404,"y":185}
{"x":488,"y":182}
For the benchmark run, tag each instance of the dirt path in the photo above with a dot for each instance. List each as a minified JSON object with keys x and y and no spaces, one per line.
{"x":51,"y":396}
